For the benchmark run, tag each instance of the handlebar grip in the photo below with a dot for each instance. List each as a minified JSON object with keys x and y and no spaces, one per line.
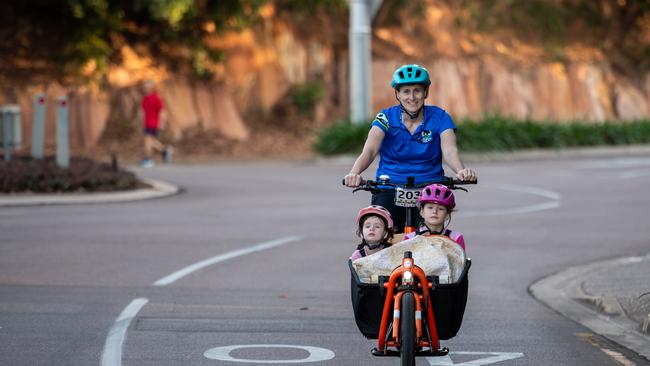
{"x":461,"y":182}
{"x":363,"y":182}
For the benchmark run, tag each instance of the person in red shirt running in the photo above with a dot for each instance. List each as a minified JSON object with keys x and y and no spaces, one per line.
{"x":152,"y":106}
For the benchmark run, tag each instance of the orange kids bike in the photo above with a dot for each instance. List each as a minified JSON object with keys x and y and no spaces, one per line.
{"x":408,"y":312}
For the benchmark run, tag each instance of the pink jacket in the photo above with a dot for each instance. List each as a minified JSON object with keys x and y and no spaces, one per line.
{"x":453,"y":235}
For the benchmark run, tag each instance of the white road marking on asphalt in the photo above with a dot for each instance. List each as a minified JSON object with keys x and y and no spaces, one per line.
{"x":493,"y":357}
{"x":635,"y":174}
{"x":112,"y":354}
{"x":222,"y":257}
{"x":511,"y":211}
{"x":530,"y":190}
{"x":223,"y":353}
{"x":518,"y":210}
{"x":615,"y":163}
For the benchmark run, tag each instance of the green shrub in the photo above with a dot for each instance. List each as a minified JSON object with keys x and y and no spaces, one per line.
{"x":343,"y":137}
{"x":504,"y":134}
{"x":495,"y":133}
{"x":306,"y":96}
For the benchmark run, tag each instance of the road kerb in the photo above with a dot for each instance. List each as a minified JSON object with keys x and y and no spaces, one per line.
{"x":562,"y":292}
{"x":158,"y":189}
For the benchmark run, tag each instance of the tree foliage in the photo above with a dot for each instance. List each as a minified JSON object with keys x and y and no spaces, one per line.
{"x":621,"y":28}
{"x":59,"y":36}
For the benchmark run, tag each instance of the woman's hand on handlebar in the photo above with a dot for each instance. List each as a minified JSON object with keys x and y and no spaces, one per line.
{"x":466,"y":174}
{"x":353,"y":180}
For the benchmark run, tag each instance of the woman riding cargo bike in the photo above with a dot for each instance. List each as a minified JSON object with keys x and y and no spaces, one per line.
{"x":412,"y":140}
{"x":412,"y":294}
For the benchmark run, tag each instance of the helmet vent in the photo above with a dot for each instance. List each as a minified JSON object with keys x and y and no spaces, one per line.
{"x":418,"y":73}
{"x":437,"y":192}
{"x":447,"y":194}
{"x":428,"y":191}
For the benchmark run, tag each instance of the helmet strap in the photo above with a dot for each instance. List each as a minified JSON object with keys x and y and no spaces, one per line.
{"x":371,"y":246}
{"x":411,"y":115}
{"x":424,"y":228}
{"x":417,"y":113}
{"x":444,"y":226}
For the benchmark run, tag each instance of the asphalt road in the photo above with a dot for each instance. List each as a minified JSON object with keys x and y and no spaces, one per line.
{"x":89,"y":285}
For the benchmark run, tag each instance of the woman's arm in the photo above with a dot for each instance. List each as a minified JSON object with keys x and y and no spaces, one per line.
{"x":451,"y":157}
{"x":367,"y":156}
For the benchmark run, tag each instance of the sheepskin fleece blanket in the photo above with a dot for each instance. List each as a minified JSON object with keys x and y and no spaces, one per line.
{"x":436,"y":255}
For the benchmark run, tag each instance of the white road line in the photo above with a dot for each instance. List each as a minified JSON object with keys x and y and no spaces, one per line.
{"x":555,"y":203}
{"x":223,"y":353}
{"x":112,"y":354}
{"x":530,"y":190}
{"x":635,"y":174}
{"x":621,"y":163}
{"x":511,"y":211}
{"x":492,"y":357}
{"x":222,"y":257}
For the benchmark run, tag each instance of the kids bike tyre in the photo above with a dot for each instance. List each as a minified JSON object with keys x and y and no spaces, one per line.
{"x":407,"y":330}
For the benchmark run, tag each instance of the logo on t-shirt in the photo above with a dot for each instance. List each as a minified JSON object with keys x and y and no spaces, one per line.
{"x":382,"y":120}
{"x":425,"y":137}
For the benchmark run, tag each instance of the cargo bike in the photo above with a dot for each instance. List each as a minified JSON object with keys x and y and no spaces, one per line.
{"x":408,"y":312}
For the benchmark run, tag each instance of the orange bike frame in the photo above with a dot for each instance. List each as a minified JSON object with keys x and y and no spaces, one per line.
{"x":394,"y":299}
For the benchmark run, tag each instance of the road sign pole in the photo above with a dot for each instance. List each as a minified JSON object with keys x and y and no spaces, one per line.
{"x":62,"y":133}
{"x":6,"y":136}
{"x":38,"y":126}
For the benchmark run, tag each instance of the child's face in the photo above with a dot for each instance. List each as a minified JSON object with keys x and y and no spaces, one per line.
{"x":434,"y":214}
{"x":373,"y":229}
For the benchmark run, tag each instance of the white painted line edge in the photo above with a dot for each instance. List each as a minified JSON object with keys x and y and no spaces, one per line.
{"x":222,"y":257}
{"x":527,"y":189}
{"x":492,"y":357}
{"x":223,"y":353}
{"x":556,"y":197}
{"x":112,"y":354}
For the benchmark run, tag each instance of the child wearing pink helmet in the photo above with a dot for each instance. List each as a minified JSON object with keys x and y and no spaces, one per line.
{"x":436,"y":204}
{"x":375,"y":228}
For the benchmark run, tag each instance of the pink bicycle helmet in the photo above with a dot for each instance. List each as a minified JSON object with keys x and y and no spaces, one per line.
{"x":376,"y":210}
{"x":437,"y":193}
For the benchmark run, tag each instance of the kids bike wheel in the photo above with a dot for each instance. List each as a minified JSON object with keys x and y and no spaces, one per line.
{"x":407,"y":330}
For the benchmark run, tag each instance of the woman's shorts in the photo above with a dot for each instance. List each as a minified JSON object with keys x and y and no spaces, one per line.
{"x":151,"y":131}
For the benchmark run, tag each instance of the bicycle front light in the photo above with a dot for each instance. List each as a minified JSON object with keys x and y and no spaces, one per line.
{"x":407,"y":278}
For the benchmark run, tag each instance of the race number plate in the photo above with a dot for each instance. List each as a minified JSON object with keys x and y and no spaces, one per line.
{"x":405,"y":197}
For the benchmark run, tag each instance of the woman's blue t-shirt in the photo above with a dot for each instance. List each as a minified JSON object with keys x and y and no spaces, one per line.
{"x":417,"y":155}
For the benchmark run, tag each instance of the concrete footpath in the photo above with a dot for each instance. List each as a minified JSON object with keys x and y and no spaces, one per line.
{"x":611,"y":297}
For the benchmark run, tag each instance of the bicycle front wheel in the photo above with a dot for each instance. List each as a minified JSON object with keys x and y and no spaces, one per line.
{"x":407,"y":330}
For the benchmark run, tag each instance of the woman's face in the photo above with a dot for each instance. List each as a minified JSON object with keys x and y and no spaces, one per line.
{"x":373,"y":229}
{"x":412,"y":97}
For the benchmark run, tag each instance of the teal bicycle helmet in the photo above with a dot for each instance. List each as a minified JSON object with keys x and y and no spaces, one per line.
{"x":410,"y":74}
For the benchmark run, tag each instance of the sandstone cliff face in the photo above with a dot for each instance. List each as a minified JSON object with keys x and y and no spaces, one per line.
{"x":263,"y":63}
{"x":549,"y":91}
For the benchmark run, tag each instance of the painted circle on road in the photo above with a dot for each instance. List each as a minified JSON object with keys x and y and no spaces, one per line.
{"x":223,"y":353}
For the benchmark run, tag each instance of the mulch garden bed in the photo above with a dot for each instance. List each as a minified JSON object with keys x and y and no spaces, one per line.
{"x":22,"y":174}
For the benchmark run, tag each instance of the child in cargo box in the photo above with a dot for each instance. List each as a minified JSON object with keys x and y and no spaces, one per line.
{"x":375,"y":228}
{"x":436,"y":204}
